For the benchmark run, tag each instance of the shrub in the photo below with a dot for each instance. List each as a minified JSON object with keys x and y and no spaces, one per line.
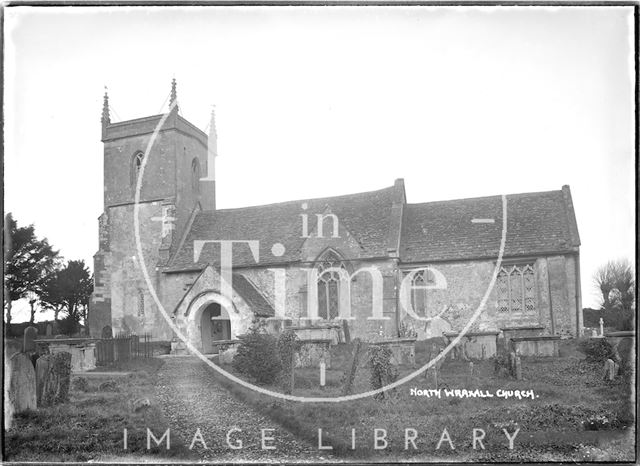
{"x":501,"y":364}
{"x":108,"y":386}
{"x":287,"y":347}
{"x":382,"y":372}
{"x":80,"y":384}
{"x":69,"y":325}
{"x":258,"y":356}
{"x":597,"y":349}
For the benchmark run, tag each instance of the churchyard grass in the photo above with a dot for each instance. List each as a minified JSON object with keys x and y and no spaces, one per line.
{"x":570,"y":393}
{"x":90,"y":426}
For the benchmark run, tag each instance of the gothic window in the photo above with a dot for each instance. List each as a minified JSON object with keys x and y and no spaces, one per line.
{"x":136,"y":164}
{"x":195,"y":175}
{"x":140,"y":303}
{"x":516,"y":289}
{"x":329,"y":285}
{"x":421,"y":278}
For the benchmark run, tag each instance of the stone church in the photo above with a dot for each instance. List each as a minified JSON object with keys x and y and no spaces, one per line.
{"x":289,"y":259}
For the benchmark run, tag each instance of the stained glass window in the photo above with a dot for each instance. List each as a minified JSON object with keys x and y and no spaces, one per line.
{"x":421,"y":278}
{"x":516,"y":289}
{"x":329,"y":285}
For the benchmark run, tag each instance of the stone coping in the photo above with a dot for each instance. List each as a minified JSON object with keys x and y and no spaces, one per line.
{"x":621,"y":333}
{"x":472,"y":334}
{"x":225,"y":342}
{"x":68,"y":341}
{"x":526,"y":327}
{"x":394,"y":341}
{"x":313,"y":327}
{"x":537,"y":338}
{"x":315,"y":340}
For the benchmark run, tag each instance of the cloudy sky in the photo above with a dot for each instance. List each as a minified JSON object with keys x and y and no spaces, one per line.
{"x":460,"y":102}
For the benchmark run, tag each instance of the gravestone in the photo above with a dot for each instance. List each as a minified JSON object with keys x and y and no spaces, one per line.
{"x":49,"y":330}
{"x":29,"y":339}
{"x":43,"y":365}
{"x":518,"y":368}
{"x":21,"y":383}
{"x":350,"y":375}
{"x":512,"y":363}
{"x":610,"y":369}
{"x":107,"y":332}
{"x":56,"y":385}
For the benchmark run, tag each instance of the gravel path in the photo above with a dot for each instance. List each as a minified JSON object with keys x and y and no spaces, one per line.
{"x":191,"y":399}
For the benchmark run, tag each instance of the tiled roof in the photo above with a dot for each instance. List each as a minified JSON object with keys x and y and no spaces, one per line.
{"x":365,"y":215}
{"x":542,"y":222}
{"x":536,"y":223}
{"x":252,"y":296}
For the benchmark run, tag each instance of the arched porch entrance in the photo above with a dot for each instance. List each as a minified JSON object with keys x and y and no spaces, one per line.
{"x":215,"y":325}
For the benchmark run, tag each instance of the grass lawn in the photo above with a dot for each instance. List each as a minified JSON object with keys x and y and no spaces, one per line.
{"x":90,"y":426}
{"x":569,"y":392}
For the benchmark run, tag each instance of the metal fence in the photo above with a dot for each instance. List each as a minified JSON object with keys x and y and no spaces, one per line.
{"x":123,"y":347}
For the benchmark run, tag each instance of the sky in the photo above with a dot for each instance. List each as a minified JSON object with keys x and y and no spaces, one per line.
{"x":320,"y":101}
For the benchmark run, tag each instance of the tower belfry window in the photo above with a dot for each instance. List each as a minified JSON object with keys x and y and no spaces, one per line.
{"x":136,"y":165}
{"x":195,"y":175}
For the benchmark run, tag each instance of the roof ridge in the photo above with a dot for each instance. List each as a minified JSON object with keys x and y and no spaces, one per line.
{"x":300,"y":200}
{"x":483,"y":197}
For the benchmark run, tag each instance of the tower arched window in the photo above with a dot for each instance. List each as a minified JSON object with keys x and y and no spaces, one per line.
{"x":136,"y":165}
{"x":195,"y":175}
{"x":329,"y":284}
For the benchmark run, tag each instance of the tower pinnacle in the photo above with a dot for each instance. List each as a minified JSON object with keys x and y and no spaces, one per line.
{"x":174,"y":95}
{"x":106,"y":119}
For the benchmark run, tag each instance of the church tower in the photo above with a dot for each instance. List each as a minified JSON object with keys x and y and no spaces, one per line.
{"x":166,"y":164}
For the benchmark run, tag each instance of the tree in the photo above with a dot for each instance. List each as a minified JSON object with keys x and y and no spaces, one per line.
{"x":29,"y":262}
{"x":69,"y":290}
{"x":616,"y":282}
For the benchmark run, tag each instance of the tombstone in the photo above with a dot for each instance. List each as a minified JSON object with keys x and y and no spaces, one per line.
{"x":56,"y":385}
{"x":43,"y":365}
{"x":345,"y":329}
{"x":610,"y":369}
{"x":29,"y":339}
{"x":594,"y":333}
{"x":107,"y":332}
{"x":21,"y":384}
{"x":512,"y":363}
{"x":353,"y":367}
{"x":49,"y":330}
{"x":601,"y":327}
{"x":518,"y":368}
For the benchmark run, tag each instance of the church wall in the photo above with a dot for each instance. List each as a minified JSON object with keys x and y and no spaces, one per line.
{"x":563,"y":293}
{"x":159,"y":173}
{"x":361,"y":297}
{"x":187,"y":148}
{"x":132,"y":306}
{"x":467,"y":282}
{"x":172,"y":287}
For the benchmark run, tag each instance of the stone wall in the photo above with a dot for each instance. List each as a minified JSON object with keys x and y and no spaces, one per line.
{"x":467,"y":282}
